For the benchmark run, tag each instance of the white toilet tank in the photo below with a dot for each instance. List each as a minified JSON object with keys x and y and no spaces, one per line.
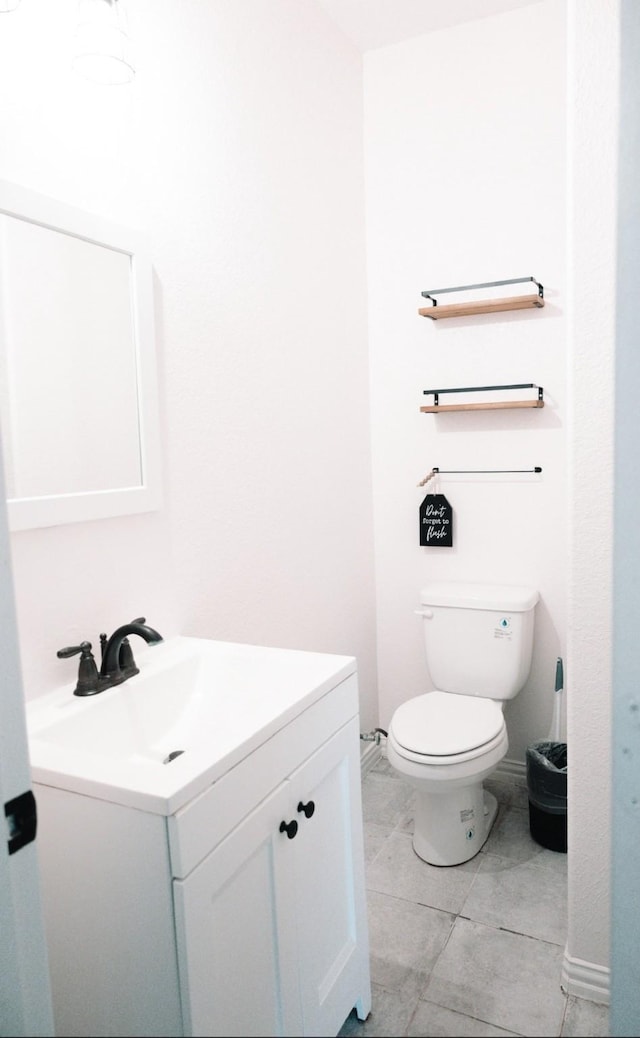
{"x":478,"y":637}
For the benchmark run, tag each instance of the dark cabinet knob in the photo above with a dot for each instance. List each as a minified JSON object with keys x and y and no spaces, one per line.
{"x":307,"y":809}
{"x":290,"y":828}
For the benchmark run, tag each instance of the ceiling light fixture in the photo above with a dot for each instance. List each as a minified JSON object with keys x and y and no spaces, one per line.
{"x":103,"y":51}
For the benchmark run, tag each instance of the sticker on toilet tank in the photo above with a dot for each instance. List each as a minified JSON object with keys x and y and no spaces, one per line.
{"x":503,"y":630}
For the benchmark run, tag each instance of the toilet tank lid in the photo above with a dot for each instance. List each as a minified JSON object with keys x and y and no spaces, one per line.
{"x":516,"y":598}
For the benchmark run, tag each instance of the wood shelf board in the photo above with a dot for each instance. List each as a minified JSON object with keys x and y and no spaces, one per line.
{"x":488,"y":306}
{"x":494,"y":406}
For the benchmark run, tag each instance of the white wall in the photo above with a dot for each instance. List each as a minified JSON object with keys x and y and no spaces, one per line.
{"x":238,"y":148}
{"x":465,"y":165}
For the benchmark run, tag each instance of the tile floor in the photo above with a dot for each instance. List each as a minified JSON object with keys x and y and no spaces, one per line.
{"x":471,"y":950}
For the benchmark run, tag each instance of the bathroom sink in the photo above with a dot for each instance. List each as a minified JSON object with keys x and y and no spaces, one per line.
{"x":196,"y":708}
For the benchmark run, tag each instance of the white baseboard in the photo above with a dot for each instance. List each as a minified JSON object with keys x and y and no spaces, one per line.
{"x":369,"y":754}
{"x":514,"y":768}
{"x":586,"y":979}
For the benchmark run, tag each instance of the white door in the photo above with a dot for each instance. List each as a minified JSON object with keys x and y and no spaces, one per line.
{"x":25,"y":996}
{"x":625,"y":903}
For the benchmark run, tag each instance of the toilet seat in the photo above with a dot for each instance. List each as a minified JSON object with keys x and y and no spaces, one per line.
{"x":443,"y":728}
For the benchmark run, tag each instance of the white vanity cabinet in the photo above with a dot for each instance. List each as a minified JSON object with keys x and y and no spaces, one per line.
{"x":242,"y":913}
{"x":269,"y":925}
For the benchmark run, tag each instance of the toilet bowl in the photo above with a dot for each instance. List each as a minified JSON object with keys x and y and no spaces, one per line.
{"x":445,"y":750}
{"x":446,"y":742}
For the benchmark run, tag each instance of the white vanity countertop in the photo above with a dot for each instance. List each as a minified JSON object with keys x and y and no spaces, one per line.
{"x":216,"y":701}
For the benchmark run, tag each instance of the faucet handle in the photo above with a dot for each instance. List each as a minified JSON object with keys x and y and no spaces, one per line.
{"x":87,"y":684}
{"x":73,"y":650}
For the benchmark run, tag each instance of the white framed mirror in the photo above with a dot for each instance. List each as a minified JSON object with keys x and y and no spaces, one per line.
{"x":78,"y":385}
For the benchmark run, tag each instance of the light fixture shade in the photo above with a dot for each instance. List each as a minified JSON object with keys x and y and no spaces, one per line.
{"x":103,"y":51}
{"x":8,"y":5}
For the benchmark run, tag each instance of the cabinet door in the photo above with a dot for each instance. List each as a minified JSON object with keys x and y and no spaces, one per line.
{"x":236,"y":931}
{"x":333,"y":951}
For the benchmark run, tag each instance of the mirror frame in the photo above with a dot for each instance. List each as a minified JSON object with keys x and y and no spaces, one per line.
{"x":35,"y":512}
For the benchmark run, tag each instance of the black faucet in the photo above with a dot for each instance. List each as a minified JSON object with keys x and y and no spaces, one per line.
{"x":118,"y":663}
{"x":117,"y":659}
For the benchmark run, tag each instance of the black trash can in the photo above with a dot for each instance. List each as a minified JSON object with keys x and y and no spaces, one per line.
{"x":547,"y":789}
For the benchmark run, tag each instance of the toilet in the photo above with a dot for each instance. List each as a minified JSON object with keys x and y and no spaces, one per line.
{"x":479,"y":642}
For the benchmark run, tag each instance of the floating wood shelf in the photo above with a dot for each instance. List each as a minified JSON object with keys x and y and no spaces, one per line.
{"x":493,"y":405}
{"x":481,"y":306}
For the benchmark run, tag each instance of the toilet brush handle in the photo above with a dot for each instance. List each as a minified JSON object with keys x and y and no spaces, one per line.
{"x":554,"y":733}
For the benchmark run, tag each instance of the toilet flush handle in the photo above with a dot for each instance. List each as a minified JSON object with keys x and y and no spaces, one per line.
{"x":426,"y":613}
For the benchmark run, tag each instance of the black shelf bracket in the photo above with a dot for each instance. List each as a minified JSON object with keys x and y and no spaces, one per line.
{"x":431,"y":292}
{"x":483,"y":389}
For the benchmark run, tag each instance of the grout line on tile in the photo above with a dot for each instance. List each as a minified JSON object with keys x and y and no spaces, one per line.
{"x":467,"y":1016}
{"x":518,"y":933}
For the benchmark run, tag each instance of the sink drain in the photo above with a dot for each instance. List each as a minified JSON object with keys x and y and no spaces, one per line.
{"x":172,"y":756}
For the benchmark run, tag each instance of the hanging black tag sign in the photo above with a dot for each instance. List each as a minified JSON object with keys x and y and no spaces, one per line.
{"x":436,"y":522}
